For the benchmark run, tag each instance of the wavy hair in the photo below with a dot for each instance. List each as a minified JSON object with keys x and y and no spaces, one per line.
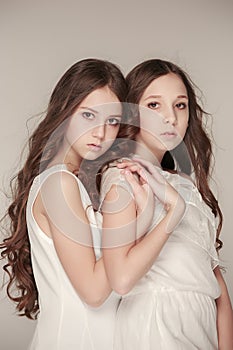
{"x":78,"y":81}
{"x":198,"y":148}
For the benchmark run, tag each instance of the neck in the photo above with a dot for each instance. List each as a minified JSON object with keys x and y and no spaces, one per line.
{"x":143,"y":151}
{"x":67,"y":156}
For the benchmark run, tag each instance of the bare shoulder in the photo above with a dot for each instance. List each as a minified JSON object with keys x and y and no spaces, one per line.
{"x":61,"y":181}
{"x":61,"y":190}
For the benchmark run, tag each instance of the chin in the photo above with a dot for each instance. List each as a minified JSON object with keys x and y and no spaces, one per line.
{"x":93,"y":156}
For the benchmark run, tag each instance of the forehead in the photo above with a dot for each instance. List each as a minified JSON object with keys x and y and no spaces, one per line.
{"x":102,"y":100}
{"x":165,"y":85}
{"x":100,"y":96}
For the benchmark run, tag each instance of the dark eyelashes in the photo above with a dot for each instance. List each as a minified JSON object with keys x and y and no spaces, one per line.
{"x":184,"y":105}
{"x":116,"y":121}
{"x":88,"y":115}
{"x":154,"y":105}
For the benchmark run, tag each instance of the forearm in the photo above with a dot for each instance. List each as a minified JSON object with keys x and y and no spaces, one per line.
{"x":135,"y":261}
{"x":99,"y":288}
{"x":127,"y":259}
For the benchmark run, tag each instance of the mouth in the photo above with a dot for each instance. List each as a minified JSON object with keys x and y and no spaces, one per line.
{"x":94,"y":147}
{"x":169,"y":134}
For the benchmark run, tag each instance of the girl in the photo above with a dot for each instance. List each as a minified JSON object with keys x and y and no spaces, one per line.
{"x":51,"y":259}
{"x":174,"y":296}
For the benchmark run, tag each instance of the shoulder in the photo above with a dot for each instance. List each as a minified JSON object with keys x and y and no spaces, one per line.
{"x":61,"y":189}
{"x":111,"y":174}
{"x":61,"y":179}
{"x":179,"y":175}
{"x":187,"y":177}
{"x":114,"y":186}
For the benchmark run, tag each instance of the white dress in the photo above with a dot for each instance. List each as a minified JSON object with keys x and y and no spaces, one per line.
{"x":173,"y":306}
{"x":65,"y":322}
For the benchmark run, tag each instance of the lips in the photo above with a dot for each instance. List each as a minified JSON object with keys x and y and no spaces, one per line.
{"x":169,"y":133}
{"x":94,"y":147}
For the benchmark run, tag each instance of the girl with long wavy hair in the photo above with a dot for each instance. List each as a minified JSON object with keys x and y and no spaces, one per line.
{"x":173,"y":293}
{"x":52,"y":250}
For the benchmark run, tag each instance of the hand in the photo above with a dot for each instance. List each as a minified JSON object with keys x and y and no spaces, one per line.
{"x":141,"y":190}
{"x":148,"y":174}
{"x":144,"y":199}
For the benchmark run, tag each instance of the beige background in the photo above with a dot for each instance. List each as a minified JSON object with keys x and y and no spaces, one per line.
{"x":41,"y":39}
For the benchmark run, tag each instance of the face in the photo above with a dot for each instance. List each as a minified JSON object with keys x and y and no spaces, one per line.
{"x":94,"y":126}
{"x":164,"y":114}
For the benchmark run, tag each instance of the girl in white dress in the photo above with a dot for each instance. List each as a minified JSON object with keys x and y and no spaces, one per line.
{"x":59,"y":277}
{"x":173,"y":293}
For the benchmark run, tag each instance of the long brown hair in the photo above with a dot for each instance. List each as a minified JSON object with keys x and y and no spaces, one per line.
{"x":78,"y":81}
{"x":197,"y":142}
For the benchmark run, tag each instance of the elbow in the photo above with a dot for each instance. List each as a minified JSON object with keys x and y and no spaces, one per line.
{"x":122,"y":286}
{"x":94,"y":301}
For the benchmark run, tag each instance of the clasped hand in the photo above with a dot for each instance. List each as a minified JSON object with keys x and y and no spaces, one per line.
{"x":149,"y":176}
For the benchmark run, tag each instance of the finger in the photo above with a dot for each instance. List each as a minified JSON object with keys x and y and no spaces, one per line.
{"x":153,"y":171}
{"x":157,"y":175}
{"x":146,"y":176}
{"x":124,"y":164}
{"x":142,"y":181}
{"x":148,"y":165}
{"x":156,"y":181}
{"x":134,"y":183}
{"x":134,"y":168}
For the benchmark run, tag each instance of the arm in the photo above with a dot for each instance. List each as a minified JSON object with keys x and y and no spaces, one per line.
{"x":126,"y":259}
{"x":224,"y":315}
{"x":71,"y":234}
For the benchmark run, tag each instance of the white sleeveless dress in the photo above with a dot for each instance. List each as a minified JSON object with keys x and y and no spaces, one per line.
{"x":64,"y":321}
{"x":173,"y":306}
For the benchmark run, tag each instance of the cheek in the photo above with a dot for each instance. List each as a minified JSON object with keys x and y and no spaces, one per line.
{"x":76,"y":130}
{"x":184,"y":127}
{"x":111,"y":133}
{"x":151,"y":125}
{"x":150,"y":138}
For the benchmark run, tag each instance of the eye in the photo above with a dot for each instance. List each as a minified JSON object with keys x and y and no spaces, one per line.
{"x":113,"y":121}
{"x":88,"y":115}
{"x":153,"y":105}
{"x":181,"y":105}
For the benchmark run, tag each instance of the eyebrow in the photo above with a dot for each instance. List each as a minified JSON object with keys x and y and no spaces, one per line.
{"x":94,"y":111}
{"x":90,"y":109}
{"x":159,"y":96}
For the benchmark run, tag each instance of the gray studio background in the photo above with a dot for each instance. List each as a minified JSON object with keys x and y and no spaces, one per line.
{"x":41,"y":39}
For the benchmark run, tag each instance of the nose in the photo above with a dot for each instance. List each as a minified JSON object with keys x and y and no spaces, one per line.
{"x":99,"y":131}
{"x":169,"y":116}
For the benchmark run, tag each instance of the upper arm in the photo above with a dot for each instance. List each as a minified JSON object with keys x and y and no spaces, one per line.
{"x":69,"y":228}
{"x":220,"y":279}
{"x":119,"y":218}
{"x":119,"y":230}
{"x":64,"y":209}
{"x":224,"y":314}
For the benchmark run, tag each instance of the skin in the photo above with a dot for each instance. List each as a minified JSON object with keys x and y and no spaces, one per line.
{"x":94,"y":123}
{"x":164,"y":117}
{"x":121,"y":262}
{"x":164,"y":107}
